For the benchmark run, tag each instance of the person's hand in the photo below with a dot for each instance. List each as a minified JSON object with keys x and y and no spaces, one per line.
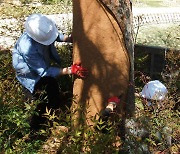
{"x":78,"y":70}
{"x":114,"y":100}
{"x":68,"y":38}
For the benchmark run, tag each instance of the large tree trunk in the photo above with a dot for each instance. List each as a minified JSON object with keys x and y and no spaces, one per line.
{"x":103,"y":43}
{"x":122,"y":10}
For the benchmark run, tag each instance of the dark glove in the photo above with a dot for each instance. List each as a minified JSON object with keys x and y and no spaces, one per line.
{"x":78,"y":70}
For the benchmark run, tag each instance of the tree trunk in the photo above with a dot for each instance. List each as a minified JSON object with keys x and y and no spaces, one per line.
{"x":122,"y":10}
{"x":102,"y":36}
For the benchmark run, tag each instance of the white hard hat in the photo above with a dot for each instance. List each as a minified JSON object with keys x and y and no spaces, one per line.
{"x":154,"y":90}
{"x":41,"y":29}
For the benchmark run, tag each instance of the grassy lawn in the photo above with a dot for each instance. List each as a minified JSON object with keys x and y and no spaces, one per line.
{"x":163,"y":35}
{"x":9,"y":10}
{"x":155,"y":3}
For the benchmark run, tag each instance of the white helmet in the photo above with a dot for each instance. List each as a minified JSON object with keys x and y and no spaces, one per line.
{"x":154,"y":90}
{"x":41,"y":29}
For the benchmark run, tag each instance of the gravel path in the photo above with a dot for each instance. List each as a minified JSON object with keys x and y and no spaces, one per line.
{"x":9,"y":30}
{"x":148,"y":10}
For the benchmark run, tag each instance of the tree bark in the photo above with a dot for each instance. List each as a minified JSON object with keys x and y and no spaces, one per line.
{"x":102,"y":36}
{"x":122,"y":10}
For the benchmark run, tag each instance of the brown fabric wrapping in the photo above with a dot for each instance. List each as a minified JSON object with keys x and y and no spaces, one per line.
{"x":99,"y":45}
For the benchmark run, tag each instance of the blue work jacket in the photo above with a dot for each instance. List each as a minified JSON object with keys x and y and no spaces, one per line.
{"x":32,"y":60}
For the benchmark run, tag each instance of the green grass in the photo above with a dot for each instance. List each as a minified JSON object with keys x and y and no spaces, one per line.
{"x":15,"y":111}
{"x":164,"y":35}
{"x":9,"y":10}
{"x":154,"y":3}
